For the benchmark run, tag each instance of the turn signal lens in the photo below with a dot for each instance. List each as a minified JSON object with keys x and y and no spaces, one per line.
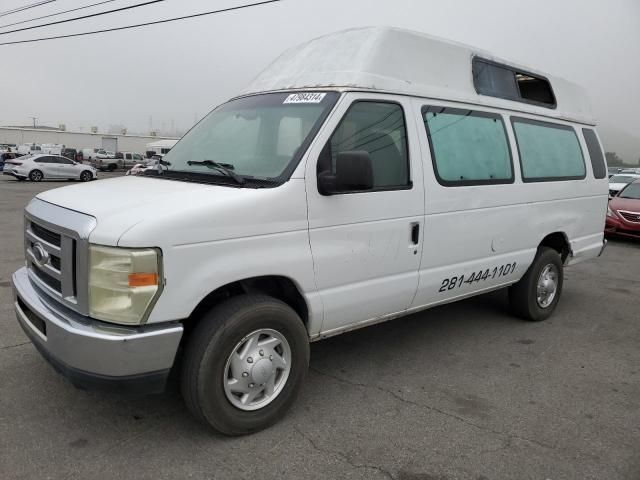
{"x":143,"y":279}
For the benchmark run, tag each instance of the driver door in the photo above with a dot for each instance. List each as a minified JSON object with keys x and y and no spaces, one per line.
{"x":367,"y":245}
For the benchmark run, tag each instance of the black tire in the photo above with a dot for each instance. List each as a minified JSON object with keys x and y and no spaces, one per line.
{"x":210,"y":345}
{"x":523,"y":296}
{"x":35,"y":175}
{"x":112,"y":167}
{"x":86,"y":176}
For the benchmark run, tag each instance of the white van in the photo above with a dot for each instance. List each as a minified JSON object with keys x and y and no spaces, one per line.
{"x":365,"y":175}
{"x":90,"y":153}
{"x":52,"y":148}
{"x":29,"y":149}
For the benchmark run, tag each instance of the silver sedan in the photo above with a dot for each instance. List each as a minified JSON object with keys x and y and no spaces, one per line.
{"x":39,"y":167}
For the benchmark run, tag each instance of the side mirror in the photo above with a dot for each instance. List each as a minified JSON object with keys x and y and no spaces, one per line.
{"x":354,"y":172}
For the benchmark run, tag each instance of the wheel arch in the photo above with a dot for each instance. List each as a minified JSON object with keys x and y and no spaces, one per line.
{"x":559,"y":241}
{"x":277,"y":286}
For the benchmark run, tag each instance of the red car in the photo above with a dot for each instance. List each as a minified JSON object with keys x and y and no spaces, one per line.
{"x":623,"y":214}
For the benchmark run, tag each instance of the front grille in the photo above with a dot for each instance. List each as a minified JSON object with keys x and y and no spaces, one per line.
{"x":45,"y":234}
{"x":50,"y":258}
{"x":633,"y":217}
{"x":55,"y":262}
{"x":56,"y":249}
{"x":47,"y":279}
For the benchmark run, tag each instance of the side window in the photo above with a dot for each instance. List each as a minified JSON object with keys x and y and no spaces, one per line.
{"x":377,"y":128}
{"x":595,"y":153}
{"x":128,"y":156}
{"x":504,"y":81}
{"x":43,"y":160}
{"x":468,"y":147}
{"x":62,"y":160}
{"x":548,"y":151}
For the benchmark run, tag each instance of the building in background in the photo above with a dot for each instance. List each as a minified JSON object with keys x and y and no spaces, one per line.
{"x":79,"y":140}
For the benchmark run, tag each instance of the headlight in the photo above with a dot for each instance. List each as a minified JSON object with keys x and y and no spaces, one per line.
{"x":123,"y":283}
{"x":610,"y":212}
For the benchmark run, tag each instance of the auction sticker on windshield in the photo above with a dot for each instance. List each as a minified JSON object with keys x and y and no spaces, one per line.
{"x":305,"y":98}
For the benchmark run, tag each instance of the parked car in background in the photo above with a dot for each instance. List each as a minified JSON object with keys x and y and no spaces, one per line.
{"x":128,"y":159}
{"x":89,"y":153}
{"x":149,"y":165}
{"x":8,"y":147}
{"x":102,"y":154}
{"x":619,"y":181}
{"x":52,"y":148}
{"x":623,"y":214}
{"x":105,"y":164}
{"x":69,"y":153}
{"x":40,"y":167}
{"x":613,"y":171}
{"x":4,"y":156}
{"x":29,"y":148}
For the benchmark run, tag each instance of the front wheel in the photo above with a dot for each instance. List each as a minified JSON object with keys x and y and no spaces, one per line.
{"x":536,"y":295}
{"x":86,"y":176}
{"x":244,"y":364}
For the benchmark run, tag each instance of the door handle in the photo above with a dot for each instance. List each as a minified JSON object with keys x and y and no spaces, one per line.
{"x":415,"y":233}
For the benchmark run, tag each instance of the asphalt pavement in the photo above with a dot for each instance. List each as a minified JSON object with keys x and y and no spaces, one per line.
{"x":463,"y":391}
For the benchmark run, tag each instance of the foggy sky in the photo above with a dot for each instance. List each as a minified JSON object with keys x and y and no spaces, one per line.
{"x":175,"y":73}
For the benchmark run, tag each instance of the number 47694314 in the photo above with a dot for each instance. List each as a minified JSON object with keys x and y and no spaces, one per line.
{"x":477,"y":277}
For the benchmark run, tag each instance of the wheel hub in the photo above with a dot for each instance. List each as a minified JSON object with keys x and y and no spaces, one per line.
{"x":257,"y":369}
{"x":547,"y":286}
{"x":262,"y":371}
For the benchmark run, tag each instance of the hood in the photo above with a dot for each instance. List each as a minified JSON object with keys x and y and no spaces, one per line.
{"x":627,"y":204}
{"x":617,"y":185}
{"x":139,"y":211}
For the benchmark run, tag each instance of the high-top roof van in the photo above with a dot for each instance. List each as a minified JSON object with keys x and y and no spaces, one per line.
{"x":363,"y":176}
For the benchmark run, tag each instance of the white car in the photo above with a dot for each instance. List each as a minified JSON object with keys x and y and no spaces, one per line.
{"x":41,"y":167}
{"x":619,"y":181}
{"x":151,"y":164}
{"x":105,"y":154}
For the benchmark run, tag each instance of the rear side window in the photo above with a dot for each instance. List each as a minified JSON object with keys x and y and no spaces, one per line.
{"x":379,"y":129}
{"x":468,"y":147}
{"x":548,"y":151}
{"x":595,"y":153}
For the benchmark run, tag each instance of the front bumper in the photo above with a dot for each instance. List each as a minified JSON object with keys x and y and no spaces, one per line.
{"x":92,"y":354}
{"x":615,"y":226}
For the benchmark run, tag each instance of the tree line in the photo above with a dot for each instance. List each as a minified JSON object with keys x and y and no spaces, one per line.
{"x":613,"y":160}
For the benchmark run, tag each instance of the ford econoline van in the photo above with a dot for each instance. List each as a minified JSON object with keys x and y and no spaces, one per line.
{"x":365,"y":175}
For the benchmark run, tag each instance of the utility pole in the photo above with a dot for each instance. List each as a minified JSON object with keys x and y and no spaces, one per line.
{"x":34,"y":121}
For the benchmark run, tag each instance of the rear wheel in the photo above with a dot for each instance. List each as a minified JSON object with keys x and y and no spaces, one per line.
{"x":536,"y":295}
{"x":86,"y":176}
{"x":244,"y":364}
{"x":35,"y":175}
{"x":112,"y":167}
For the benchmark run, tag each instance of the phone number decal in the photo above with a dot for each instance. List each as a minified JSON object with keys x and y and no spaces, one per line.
{"x":477,"y":277}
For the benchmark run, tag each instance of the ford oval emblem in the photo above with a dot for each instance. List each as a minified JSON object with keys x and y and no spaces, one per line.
{"x":40,"y":255}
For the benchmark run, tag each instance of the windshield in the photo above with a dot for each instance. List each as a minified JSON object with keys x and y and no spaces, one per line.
{"x":631,"y":191}
{"x":621,"y":179}
{"x":257,"y":137}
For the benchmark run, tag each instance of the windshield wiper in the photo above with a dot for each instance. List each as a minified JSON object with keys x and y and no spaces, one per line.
{"x":225,"y":168}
